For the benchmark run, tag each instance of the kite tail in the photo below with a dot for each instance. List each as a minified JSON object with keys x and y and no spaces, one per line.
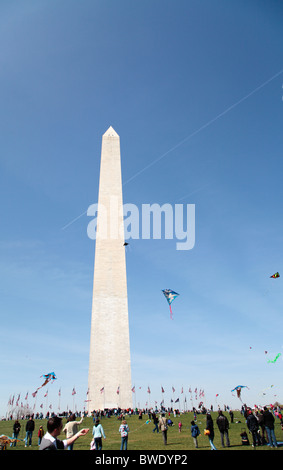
{"x":171,"y":313}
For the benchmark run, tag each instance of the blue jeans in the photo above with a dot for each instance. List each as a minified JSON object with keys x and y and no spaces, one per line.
{"x":271,"y":437}
{"x":156,"y":428}
{"x":14,"y":436}
{"x":124,"y":442}
{"x":28,"y":438}
{"x":211,"y":444}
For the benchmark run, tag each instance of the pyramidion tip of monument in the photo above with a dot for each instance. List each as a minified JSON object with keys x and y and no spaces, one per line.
{"x":110,"y":132}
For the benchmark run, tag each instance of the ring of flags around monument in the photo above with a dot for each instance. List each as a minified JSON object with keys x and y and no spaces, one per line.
{"x":196,"y":394}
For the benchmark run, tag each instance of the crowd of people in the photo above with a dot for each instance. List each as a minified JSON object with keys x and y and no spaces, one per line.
{"x":259,"y":422}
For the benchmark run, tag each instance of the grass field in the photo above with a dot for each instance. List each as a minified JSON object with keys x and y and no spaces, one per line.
{"x":141,"y":436}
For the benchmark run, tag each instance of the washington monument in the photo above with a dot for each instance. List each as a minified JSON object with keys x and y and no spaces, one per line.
{"x":109,"y":380}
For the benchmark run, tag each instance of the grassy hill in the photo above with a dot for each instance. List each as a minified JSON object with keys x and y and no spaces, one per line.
{"x":141,"y":436}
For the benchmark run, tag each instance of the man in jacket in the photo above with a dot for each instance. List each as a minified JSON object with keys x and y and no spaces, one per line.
{"x":268,"y":420}
{"x":163,"y":426}
{"x":29,"y":431}
{"x":253,"y":427}
{"x":223,"y":426}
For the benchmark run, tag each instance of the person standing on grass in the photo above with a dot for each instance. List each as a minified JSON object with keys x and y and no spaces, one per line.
{"x":210,"y":429}
{"x":195,"y":432}
{"x":71,"y":428}
{"x":264,"y":437}
{"x":268,"y":420}
{"x":98,"y":433}
{"x":163,"y":426}
{"x":29,"y":431}
{"x":40,"y":434}
{"x":16,"y":431}
{"x":124,"y":431}
{"x":155,"y":421}
{"x":253,"y":427}
{"x":223,"y":426}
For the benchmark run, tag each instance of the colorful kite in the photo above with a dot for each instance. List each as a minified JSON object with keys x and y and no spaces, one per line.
{"x":275,"y":275}
{"x":170,"y":296}
{"x":274,"y":360}
{"x":239,"y":390}
{"x":6,"y":440}
{"x":48,"y":378}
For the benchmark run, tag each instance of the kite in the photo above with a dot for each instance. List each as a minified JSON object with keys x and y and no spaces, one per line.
{"x":239,"y":389}
{"x":170,"y":296}
{"x":274,"y":360}
{"x":263,"y":391}
{"x":48,"y":378}
{"x":5,"y":440}
{"x":275,"y":275}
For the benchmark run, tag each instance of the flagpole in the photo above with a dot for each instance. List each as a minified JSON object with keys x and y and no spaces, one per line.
{"x":34,"y":406}
{"x":118,"y":393}
{"x":162,"y":391}
{"x":148,"y":391}
{"x":59,"y":399}
{"x":192,"y":403}
{"x":46,"y":403}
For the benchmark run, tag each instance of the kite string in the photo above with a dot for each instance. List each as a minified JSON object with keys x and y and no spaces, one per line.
{"x":136,"y":429}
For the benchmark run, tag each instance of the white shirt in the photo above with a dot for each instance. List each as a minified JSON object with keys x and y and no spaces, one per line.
{"x":53,"y":439}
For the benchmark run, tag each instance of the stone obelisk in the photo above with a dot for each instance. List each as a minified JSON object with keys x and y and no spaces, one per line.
{"x":109,"y":382}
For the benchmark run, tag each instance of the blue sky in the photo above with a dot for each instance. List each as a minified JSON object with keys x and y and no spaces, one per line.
{"x":194,"y":89}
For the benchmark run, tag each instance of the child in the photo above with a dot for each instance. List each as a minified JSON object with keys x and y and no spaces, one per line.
{"x":124,"y":430}
{"x":180,"y":426}
{"x":40,"y":434}
{"x":195,"y":433}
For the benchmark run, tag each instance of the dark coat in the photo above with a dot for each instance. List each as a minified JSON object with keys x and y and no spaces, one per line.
{"x":30,"y":425}
{"x":252,"y":423}
{"x":268,"y":419}
{"x":222,"y":423}
{"x":210,"y":428}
